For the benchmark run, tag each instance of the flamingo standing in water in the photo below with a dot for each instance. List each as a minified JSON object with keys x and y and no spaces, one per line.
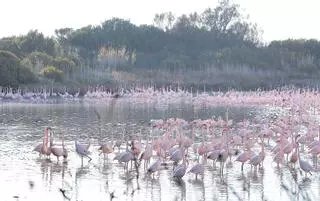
{"x":198,"y":168}
{"x":43,"y":148}
{"x":106,"y":149}
{"x":146,"y":155}
{"x":304,"y":165}
{"x":126,"y":157}
{"x":83,"y":150}
{"x":59,"y":151}
{"x":154,"y":167}
{"x":180,"y":170}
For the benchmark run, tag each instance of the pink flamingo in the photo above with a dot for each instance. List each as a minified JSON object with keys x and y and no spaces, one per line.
{"x":57,"y":151}
{"x":258,"y":159}
{"x":39,"y":148}
{"x":246,"y":155}
{"x":294,"y":157}
{"x":46,"y":149}
{"x":198,"y":168}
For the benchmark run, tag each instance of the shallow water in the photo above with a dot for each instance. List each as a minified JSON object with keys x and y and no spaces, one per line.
{"x":21,"y":129}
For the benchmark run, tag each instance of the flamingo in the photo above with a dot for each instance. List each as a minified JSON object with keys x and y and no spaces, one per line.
{"x":154,"y":167}
{"x":57,"y":151}
{"x":125,"y":157}
{"x":82,"y":150}
{"x":304,"y":165}
{"x":258,"y":159}
{"x":146,"y":155}
{"x":222,"y":157}
{"x":45,"y":149}
{"x":106,"y":149}
{"x":244,"y":157}
{"x":198,"y":168}
{"x":213,"y":155}
{"x":294,"y":157}
{"x":180,"y":170}
{"x":39,"y":148}
{"x":177,"y":155}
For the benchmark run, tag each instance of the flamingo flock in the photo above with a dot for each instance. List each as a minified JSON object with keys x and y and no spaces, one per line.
{"x":163,"y":96}
{"x":291,"y":136}
{"x":190,"y":146}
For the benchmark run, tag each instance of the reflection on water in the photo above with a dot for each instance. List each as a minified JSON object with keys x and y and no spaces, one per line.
{"x":24,"y":176}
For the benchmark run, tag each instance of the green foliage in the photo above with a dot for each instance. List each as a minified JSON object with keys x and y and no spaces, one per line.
{"x":25,"y":76}
{"x":52,"y":73}
{"x":64,"y":64}
{"x":37,"y":57}
{"x":9,"y":65}
{"x":11,"y":72}
{"x":36,"y":42}
{"x":215,"y":38}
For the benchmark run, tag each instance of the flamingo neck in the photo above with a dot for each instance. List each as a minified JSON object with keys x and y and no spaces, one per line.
{"x":45,"y":139}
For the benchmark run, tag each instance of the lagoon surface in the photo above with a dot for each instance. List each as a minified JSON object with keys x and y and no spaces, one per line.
{"x":26,"y":176}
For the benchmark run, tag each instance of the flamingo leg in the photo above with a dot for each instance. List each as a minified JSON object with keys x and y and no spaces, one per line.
{"x":89,"y":158}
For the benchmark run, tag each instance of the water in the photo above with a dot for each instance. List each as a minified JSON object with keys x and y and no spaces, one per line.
{"x":22,"y":126}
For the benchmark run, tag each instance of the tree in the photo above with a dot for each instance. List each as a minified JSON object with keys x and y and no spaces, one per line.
{"x":36,"y":61}
{"x":9,"y":65}
{"x":63,"y":37}
{"x":65,"y":64}
{"x":11,"y":72}
{"x":52,"y":73}
{"x":164,"y":21}
{"x":36,"y":42}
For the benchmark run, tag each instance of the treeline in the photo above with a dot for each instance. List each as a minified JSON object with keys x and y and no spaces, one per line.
{"x":195,"y":46}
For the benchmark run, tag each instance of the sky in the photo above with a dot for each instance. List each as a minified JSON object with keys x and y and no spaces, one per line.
{"x":279,"y":19}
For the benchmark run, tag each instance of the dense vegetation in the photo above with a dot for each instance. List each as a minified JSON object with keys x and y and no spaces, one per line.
{"x":219,"y":48}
